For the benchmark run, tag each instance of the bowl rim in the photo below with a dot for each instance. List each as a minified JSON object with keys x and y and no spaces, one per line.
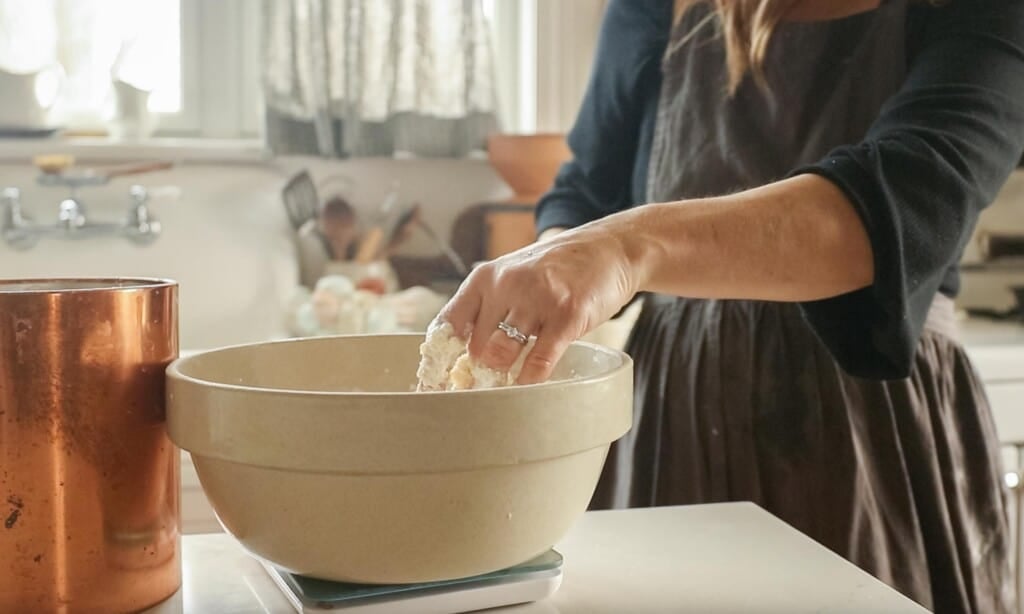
{"x":262,"y":426}
{"x":174,"y":370}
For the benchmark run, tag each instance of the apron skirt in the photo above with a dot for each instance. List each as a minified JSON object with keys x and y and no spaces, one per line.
{"x":739,"y":401}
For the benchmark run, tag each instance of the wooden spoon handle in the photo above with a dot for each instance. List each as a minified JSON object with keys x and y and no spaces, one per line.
{"x":137,"y":169}
{"x":369,"y":245}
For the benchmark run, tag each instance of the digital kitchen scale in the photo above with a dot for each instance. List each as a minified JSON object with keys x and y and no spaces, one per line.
{"x":534,"y":580}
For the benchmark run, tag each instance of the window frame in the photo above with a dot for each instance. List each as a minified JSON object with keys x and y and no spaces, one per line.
{"x":543,"y":54}
{"x":220,"y":72}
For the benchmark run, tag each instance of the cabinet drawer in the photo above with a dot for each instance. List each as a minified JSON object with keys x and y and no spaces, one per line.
{"x":1007,"y":401}
{"x":197,"y":515}
{"x":998,"y":363}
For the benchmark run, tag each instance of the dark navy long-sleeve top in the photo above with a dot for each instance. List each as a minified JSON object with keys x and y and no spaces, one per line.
{"x":936,"y":155}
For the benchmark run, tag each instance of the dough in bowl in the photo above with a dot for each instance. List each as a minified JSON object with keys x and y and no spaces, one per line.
{"x":445,"y":363}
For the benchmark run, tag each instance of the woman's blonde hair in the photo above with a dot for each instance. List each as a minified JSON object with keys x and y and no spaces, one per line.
{"x":747,"y":27}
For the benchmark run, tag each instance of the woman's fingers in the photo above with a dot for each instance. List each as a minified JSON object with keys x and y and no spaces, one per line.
{"x":551,"y":344}
{"x":463,"y":309}
{"x":554,"y":291}
{"x":503,"y":347}
{"x":493,"y":309}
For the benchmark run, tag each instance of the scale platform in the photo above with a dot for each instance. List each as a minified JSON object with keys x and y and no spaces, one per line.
{"x":534,"y":580}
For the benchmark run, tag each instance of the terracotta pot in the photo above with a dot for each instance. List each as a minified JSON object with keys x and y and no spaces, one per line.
{"x":316,"y":456}
{"x":89,"y":480}
{"x":527,"y":162}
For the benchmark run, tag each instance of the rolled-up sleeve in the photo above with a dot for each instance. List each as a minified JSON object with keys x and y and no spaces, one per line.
{"x":938,"y":153}
{"x":610,"y":134}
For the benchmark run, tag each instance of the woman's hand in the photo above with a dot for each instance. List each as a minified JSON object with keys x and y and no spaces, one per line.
{"x":557,"y":290}
{"x":799,"y":239}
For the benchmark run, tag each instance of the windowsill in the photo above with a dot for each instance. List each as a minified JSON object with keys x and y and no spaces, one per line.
{"x":105,"y":149}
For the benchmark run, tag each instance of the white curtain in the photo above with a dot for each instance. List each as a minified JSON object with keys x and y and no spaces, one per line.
{"x":378,"y":77}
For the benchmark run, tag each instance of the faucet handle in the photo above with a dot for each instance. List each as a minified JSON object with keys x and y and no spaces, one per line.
{"x":11,"y":196}
{"x":141,"y":226}
{"x":139,"y":195}
{"x":138,"y":214}
{"x":15,"y":229}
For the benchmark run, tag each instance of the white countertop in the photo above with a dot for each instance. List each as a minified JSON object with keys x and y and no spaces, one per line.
{"x":731,"y":557}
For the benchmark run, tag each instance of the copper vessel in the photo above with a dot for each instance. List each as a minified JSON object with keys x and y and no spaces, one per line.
{"x":89,"y":481}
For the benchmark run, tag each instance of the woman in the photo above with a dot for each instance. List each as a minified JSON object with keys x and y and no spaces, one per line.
{"x":814,"y":170}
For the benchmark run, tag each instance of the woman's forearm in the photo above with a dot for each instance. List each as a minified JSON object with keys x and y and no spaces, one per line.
{"x":795,"y":240}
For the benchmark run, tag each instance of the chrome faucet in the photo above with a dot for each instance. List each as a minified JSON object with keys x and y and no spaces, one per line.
{"x":14,"y":224}
{"x":71,"y":214}
{"x":140,"y":225}
{"x":20,"y":232}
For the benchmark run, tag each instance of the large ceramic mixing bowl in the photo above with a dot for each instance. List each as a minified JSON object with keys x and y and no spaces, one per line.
{"x":318,"y":457}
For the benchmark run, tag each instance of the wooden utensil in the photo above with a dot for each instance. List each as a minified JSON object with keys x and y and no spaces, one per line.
{"x":58,"y":170}
{"x":338,"y":226}
{"x":136,"y":169}
{"x":401,"y":230}
{"x":381,"y":227}
{"x":370,"y":245}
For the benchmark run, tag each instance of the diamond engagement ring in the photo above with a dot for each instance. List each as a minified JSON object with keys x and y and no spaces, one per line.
{"x":512,"y":332}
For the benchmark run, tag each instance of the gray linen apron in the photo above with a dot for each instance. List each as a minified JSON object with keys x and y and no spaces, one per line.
{"x":739,"y":400}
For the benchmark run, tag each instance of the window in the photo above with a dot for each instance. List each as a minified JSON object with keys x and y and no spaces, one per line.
{"x":514,"y":32}
{"x":199,"y":61}
{"x":544,"y":50}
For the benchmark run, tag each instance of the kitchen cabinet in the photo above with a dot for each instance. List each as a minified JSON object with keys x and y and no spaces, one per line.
{"x":196,"y":514}
{"x":997,"y":351}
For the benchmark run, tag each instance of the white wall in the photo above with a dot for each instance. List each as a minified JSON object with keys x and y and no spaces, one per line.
{"x":227,"y":239}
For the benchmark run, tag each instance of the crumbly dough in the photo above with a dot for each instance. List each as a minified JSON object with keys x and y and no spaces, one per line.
{"x":445,"y":364}
{"x":468,"y":374}
{"x":438,"y":354}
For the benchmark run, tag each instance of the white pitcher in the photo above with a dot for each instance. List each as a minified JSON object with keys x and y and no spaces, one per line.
{"x":132,"y":117}
{"x":28,"y":97}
